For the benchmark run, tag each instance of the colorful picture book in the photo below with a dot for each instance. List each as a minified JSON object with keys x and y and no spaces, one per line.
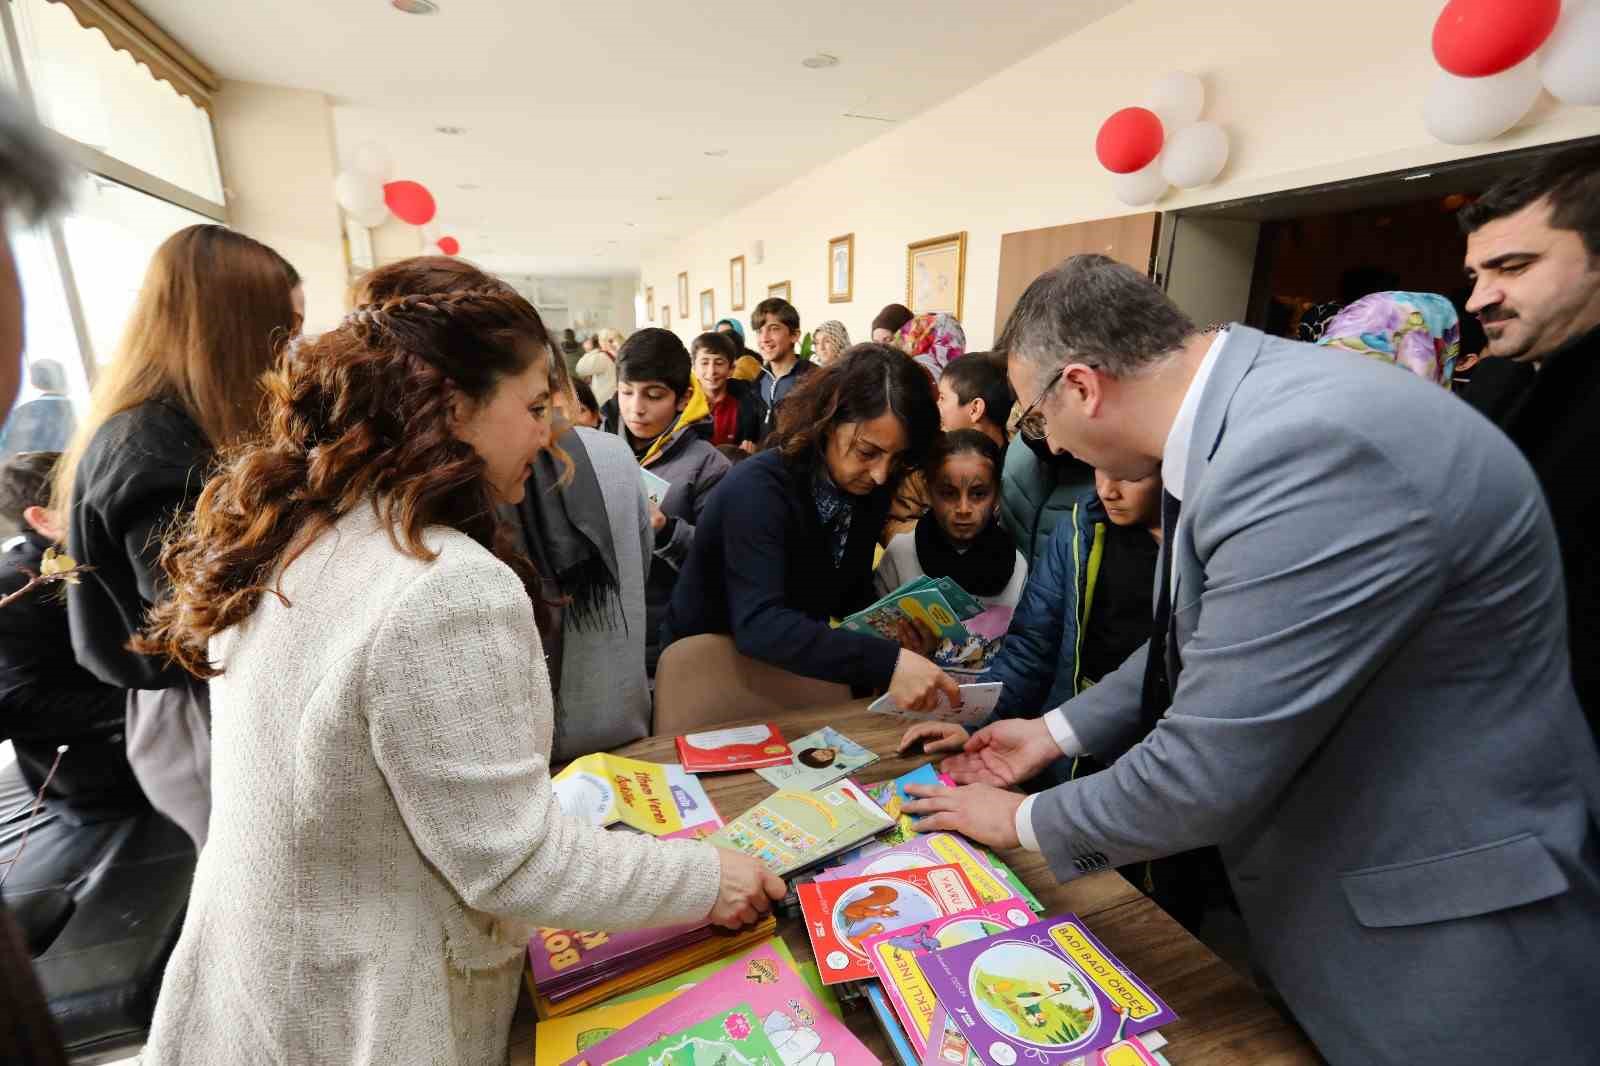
{"x":682,"y":982}
{"x":730,"y":1038}
{"x":878,"y":1003}
{"x":820,"y":758}
{"x":938,"y":604}
{"x":606,"y":986}
{"x":655,"y":486}
{"x":841,"y":914}
{"x":930,"y":849}
{"x":978,"y":701}
{"x":798,"y":1026}
{"x":949,"y":1048}
{"x":560,"y":1039}
{"x":1049,"y":993}
{"x":986,"y":635}
{"x":694,"y":806}
{"x":890,"y":795}
{"x":893,"y":957}
{"x":946,"y":1045}
{"x":746,"y":747}
{"x":792,"y":830}
{"x":603,"y":789}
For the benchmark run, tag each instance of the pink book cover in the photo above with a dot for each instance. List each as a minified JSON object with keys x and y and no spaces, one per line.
{"x":564,"y":961}
{"x":894,"y":958}
{"x":799,"y":1027}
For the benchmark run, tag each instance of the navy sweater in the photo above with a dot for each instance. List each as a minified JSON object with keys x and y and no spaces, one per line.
{"x":761,"y":571}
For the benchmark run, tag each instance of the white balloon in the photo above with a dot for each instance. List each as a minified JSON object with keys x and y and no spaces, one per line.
{"x":1472,"y":110}
{"x":357,"y":192}
{"x":371,"y":217}
{"x":1142,"y":186}
{"x":1195,"y":155}
{"x":371,"y":159}
{"x":1571,"y":64}
{"x":1177,"y":98}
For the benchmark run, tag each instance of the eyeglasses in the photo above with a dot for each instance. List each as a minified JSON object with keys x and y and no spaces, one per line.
{"x":1031,"y":424}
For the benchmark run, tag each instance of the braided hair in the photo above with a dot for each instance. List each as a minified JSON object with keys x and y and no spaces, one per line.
{"x":362,"y":413}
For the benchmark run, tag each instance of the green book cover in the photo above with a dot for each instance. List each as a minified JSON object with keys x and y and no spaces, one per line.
{"x":732,"y":1038}
{"x":791,"y":830}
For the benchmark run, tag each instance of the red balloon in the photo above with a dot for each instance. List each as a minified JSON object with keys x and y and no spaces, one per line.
{"x":449,"y":246}
{"x":1477,"y":38}
{"x":1129,"y":140}
{"x":410,"y":202}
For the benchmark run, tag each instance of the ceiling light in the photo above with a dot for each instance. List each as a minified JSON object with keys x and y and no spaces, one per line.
{"x":415,"y":7}
{"x":820,"y":61}
{"x":717,"y":153}
{"x":450,"y":131}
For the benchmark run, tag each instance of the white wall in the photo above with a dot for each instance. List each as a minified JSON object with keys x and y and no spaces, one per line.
{"x":278,"y":164}
{"x":583,"y":304}
{"x":1308,"y":94}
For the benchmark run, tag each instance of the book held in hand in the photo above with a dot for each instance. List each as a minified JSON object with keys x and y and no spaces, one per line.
{"x":745,"y":747}
{"x":978,"y":702}
{"x":820,"y":758}
{"x":840,"y":915}
{"x":936,"y":604}
{"x":655,"y":486}
{"x":1048,"y":993}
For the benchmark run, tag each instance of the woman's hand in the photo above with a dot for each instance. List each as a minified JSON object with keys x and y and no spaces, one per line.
{"x":657,"y":518}
{"x":936,"y":738}
{"x":747,"y":892}
{"x":917,"y":684}
{"x":914,"y":636}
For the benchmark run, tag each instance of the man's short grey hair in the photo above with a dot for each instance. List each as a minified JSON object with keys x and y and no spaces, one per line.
{"x":1093,"y":309}
{"x":33,"y":175}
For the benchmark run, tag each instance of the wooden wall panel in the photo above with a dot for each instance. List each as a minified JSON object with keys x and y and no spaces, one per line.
{"x":1027,"y":254}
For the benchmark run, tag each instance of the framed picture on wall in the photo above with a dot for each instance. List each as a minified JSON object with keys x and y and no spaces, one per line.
{"x":666,"y":316}
{"x":936,"y":273}
{"x":781,"y":290}
{"x":683,"y":295}
{"x":842,"y":269}
{"x":736,"y":283}
{"x":649,"y":303}
{"x":708,"y":308}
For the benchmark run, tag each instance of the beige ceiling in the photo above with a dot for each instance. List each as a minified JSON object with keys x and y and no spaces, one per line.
{"x":587,"y":124}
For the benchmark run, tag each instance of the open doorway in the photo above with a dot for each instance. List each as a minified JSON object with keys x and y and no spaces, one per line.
{"x":1284,"y":262}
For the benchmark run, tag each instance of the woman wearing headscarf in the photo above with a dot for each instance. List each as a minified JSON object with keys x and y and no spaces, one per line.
{"x":1419,"y":331}
{"x":832,"y":339}
{"x":887,"y":325}
{"x":934,"y":341}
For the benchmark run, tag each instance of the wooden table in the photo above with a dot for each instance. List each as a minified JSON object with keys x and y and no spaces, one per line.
{"x":1223,"y":1020}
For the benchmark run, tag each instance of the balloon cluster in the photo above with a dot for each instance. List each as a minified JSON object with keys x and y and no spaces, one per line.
{"x":368,"y":197}
{"x":1162,"y":143}
{"x":1494,"y":57}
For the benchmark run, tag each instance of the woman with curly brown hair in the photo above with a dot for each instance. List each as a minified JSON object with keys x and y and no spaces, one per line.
{"x":383,"y":822}
{"x":787,"y":539}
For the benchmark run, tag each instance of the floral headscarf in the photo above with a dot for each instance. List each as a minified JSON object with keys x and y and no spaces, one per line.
{"x":935,"y":341}
{"x":1416,"y":330}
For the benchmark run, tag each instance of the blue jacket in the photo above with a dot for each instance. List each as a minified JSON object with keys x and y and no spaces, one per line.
{"x":1039,"y":664}
{"x":1036,"y":494}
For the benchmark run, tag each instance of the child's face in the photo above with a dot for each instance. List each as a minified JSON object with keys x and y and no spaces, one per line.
{"x":648,"y":408}
{"x":964,"y":496}
{"x":712,"y":371}
{"x":1130,"y":503}
{"x":953,"y":414}
{"x":776,"y":339}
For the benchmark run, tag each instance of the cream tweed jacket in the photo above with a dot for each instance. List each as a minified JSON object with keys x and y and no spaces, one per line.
{"x":383,"y":833}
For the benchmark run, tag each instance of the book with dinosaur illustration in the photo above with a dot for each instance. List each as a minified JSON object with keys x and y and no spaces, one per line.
{"x":820,"y":758}
{"x":841,"y":914}
{"x":1049,"y":993}
{"x":745,"y":747}
{"x":893,"y":957}
{"x":682,"y":982}
{"x":890,"y":795}
{"x":603,"y":789}
{"x":923,"y":601}
{"x":801,"y":1029}
{"x":728,"y":1038}
{"x":791,"y":830}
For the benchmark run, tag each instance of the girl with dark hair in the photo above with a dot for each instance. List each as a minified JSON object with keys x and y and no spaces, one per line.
{"x":786,"y":541}
{"x":212,"y":316}
{"x":383,"y":821}
{"x":961,"y":537}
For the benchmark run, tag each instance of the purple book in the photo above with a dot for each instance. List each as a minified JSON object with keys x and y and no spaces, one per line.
{"x":1046,"y":993}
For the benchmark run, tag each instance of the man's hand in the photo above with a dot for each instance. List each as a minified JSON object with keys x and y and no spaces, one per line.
{"x":1005,"y":753}
{"x":979,"y":812}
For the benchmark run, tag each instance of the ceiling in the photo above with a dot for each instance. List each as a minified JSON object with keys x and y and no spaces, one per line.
{"x":587,"y":127}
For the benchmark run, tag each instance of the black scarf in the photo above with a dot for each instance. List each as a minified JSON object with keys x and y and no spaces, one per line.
{"x":983,"y":569}
{"x":565,"y":531}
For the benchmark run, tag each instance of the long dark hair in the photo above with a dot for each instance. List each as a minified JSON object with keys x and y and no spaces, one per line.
{"x":867,"y":381}
{"x":360,"y":413}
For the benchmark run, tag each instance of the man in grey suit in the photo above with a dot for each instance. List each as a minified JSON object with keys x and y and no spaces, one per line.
{"x":1371,"y":709}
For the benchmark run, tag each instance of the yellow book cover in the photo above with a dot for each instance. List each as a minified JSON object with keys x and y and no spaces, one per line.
{"x":603,"y":789}
{"x":559,"y":1039}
